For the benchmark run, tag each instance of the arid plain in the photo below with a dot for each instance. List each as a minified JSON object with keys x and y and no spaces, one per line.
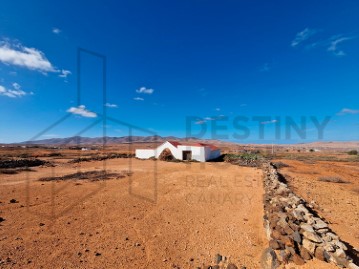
{"x":155,"y":214}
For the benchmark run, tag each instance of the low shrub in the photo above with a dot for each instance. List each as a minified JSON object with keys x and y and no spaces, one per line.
{"x":353,"y":152}
{"x":332,"y":179}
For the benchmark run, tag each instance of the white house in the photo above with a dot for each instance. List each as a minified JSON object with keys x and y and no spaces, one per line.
{"x":198,"y":151}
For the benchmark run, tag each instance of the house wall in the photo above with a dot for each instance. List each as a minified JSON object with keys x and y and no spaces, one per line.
{"x":214,"y":154}
{"x":145,"y":153}
{"x":175,"y":152}
{"x":197,"y":152}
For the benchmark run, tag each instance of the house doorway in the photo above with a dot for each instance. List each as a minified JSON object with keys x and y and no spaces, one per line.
{"x":186,"y":155}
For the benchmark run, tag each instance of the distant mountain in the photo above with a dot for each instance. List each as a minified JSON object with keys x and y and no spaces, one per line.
{"x":79,"y":140}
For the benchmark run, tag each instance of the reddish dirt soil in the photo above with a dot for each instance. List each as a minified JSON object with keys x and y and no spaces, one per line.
{"x":165,"y":215}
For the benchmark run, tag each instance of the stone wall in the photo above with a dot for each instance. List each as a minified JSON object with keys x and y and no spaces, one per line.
{"x":295,"y":233}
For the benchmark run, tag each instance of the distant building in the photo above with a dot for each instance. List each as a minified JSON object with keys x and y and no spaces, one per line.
{"x":198,"y":151}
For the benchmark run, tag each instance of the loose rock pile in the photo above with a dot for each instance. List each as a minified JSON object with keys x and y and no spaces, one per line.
{"x":294,"y":231}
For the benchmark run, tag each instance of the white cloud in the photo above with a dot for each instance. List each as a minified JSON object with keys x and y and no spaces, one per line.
{"x":346,"y":111}
{"x":30,"y":58}
{"x":335,"y":41}
{"x":64,"y":73}
{"x":208,"y":118}
{"x":82,"y":111}
{"x":16,"y":92}
{"x":145,"y":90}
{"x":138,"y":99}
{"x":302,"y":36}
{"x":200,"y":122}
{"x":16,"y":86}
{"x":218,"y":109}
{"x":269,"y":122}
{"x":56,"y":30}
{"x":111,"y":105}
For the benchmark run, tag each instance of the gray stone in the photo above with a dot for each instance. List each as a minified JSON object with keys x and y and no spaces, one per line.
{"x":309,"y":245}
{"x":329,"y":247}
{"x":340,"y":244}
{"x":296,"y":237}
{"x":330,"y":237}
{"x":352,"y":266}
{"x":307,"y":227}
{"x":298,"y":214}
{"x":312,"y":237}
{"x":322,"y":231}
{"x":269,"y":259}
{"x":340,"y":253}
{"x":217,"y":258}
{"x":319,"y":224}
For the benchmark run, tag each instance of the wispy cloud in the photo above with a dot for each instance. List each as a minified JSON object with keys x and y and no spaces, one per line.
{"x":64,"y":73}
{"x":138,"y":99}
{"x":346,"y":111}
{"x":82,"y":111}
{"x":25,"y":57}
{"x":16,"y":86}
{"x":200,"y":122}
{"x":111,"y":105}
{"x":145,"y":90}
{"x":265,"y":67}
{"x":303,"y":36}
{"x":218,"y":109}
{"x":331,"y":44}
{"x":16,"y":92}
{"x":269,"y":122}
{"x":334,"y":41}
{"x":209,"y":118}
{"x":56,"y":30}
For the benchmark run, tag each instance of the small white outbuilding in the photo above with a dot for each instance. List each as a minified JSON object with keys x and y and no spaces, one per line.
{"x":200,"y":152}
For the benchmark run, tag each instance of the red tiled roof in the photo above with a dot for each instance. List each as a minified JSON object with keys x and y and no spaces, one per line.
{"x":174,"y":143}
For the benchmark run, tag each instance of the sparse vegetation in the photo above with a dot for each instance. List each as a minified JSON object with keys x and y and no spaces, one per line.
{"x":21,"y":163}
{"x":332,"y":179}
{"x":89,"y":175}
{"x":353,"y":152}
{"x":279,"y":165}
{"x":245,"y":159}
{"x":102,"y":157}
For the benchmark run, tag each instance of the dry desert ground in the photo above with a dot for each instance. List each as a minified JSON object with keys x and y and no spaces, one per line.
{"x":162,"y":215}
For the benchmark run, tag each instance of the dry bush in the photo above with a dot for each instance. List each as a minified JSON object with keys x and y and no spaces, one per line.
{"x":279,"y":165}
{"x":8,"y":171}
{"x":89,"y":175}
{"x":332,"y":179}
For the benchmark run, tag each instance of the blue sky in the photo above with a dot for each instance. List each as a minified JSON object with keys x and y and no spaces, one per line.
{"x":179,"y":67}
